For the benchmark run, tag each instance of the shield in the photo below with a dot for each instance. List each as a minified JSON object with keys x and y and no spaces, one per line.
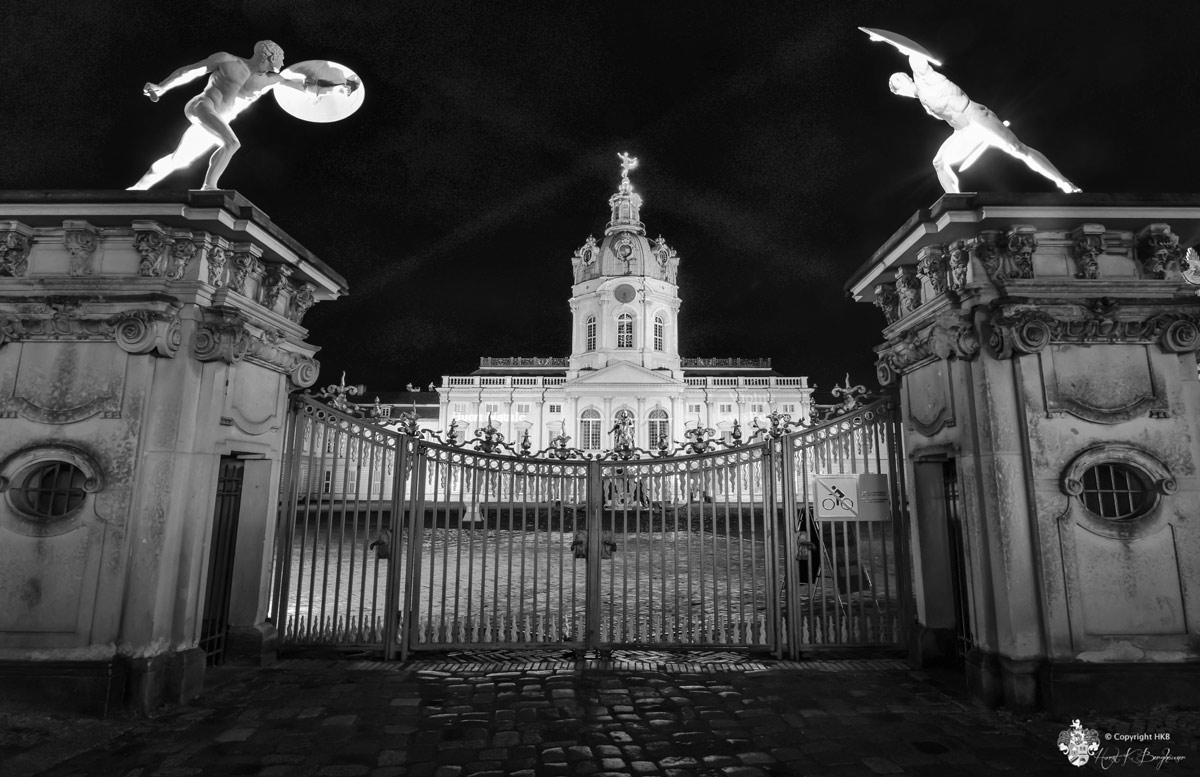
{"x":902,"y":43}
{"x":331,"y":106}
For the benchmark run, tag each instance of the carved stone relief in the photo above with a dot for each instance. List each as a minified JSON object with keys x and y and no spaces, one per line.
{"x":1087,"y":243}
{"x":153,"y":247}
{"x":1159,"y":251}
{"x":1008,"y":255}
{"x":217,"y":259}
{"x":932,"y":265}
{"x":908,"y":287}
{"x":1015,"y":329}
{"x":302,"y":299}
{"x":888,"y":301}
{"x":16,"y":240}
{"x":225,"y":336}
{"x":65,"y":320}
{"x":952,"y":336}
{"x":274,"y":280}
{"x":81,"y":241}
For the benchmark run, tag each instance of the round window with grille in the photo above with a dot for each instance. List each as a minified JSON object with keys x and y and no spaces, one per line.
{"x":1116,"y":491}
{"x":50,"y":489}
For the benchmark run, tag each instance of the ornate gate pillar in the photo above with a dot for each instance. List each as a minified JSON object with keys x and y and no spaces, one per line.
{"x":1044,"y":350}
{"x":142,"y":337}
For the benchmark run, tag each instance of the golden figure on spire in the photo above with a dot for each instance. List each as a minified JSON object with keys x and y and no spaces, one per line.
{"x":627,"y":163}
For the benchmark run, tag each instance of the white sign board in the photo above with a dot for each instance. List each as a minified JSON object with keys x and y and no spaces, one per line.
{"x":851,"y":497}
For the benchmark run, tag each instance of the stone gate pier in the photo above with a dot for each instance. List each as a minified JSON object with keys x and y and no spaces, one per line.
{"x":1044,"y":348}
{"x":148,"y":341}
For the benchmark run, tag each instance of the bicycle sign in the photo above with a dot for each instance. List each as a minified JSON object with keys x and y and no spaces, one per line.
{"x":862,"y":497}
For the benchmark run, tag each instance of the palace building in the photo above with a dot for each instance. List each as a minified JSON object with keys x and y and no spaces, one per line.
{"x":625,"y":360}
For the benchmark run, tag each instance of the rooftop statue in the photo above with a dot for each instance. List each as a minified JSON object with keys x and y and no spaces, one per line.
{"x":234,"y":83}
{"x":976,"y":127}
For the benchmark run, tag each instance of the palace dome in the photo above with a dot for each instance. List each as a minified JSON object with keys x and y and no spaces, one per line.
{"x":625,"y":250}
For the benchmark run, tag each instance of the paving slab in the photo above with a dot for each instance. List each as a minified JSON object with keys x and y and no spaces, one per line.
{"x":432,"y":718}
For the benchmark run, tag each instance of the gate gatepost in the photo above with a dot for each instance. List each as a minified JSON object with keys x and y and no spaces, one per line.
{"x":595,"y":515}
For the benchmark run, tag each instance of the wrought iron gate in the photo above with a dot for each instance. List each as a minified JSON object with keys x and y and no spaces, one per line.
{"x":214,"y":625}
{"x":408,"y":543}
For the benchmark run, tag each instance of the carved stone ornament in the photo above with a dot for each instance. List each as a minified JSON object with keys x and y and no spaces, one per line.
{"x":148,"y":331}
{"x":223,"y":337}
{"x":584,"y":259}
{"x":15,"y":245}
{"x":1015,"y":329}
{"x":243,"y":265}
{"x":182,"y":254}
{"x":217,"y":259}
{"x":1007,"y":256}
{"x":153,"y":248}
{"x":81,"y":241}
{"x":952,"y":336}
{"x":302,"y":299}
{"x":959,"y":259}
{"x":135,"y":331}
{"x":888,"y":301}
{"x":1087,"y":243}
{"x":667,"y":259}
{"x":273,"y":282}
{"x":1160,"y":253}
{"x":908,"y":286}
{"x":932,"y":265}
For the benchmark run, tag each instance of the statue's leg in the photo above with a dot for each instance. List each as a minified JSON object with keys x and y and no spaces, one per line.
{"x":959,"y":146}
{"x":195,"y":141}
{"x":226,"y":141}
{"x":1006,"y":140}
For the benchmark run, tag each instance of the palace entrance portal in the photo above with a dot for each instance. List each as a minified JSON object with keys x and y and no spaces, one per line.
{"x":790,"y":542}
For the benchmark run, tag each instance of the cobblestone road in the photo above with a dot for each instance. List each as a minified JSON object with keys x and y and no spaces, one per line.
{"x":344,"y":719}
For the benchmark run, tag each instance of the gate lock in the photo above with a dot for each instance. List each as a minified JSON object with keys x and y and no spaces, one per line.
{"x":580,"y":545}
{"x":804,"y":546}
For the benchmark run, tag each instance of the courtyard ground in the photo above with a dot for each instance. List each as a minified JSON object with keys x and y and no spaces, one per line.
{"x":638,"y":715}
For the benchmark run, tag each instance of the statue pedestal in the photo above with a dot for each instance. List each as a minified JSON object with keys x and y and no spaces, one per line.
{"x":1044,"y":349}
{"x":148,"y":342}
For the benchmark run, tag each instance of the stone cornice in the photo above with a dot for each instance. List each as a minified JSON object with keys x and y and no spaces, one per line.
{"x":1017,"y":328}
{"x":949,"y":335}
{"x":137,"y":330}
{"x":227,"y":335}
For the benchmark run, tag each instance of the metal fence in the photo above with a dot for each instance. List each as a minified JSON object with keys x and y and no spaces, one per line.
{"x":407,"y":542}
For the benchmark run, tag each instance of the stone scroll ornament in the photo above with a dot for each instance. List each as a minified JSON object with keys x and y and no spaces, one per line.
{"x":315,"y":90}
{"x":976,"y":128}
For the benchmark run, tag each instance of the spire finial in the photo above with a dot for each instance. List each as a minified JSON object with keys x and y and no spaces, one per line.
{"x":627,"y":163}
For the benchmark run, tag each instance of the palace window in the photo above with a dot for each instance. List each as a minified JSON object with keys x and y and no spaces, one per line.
{"x":590,"y":333}
{"x":385,"y":411}
{"x":461,"y":408}
{"x":327,"y":486}
{"x":491,"y":408}
{"x":659,"y":328}
{"x":554,"y":409}
{"x":351,"y":483}
{"x":726,"y":408}
{"x":659,"y":424}
{"x":589,"y":430}
{"x":694,"y":408}
{"x":756,"y":408}
{"x":522,"y":407}
{"x":1116,"y":491}
{"x":787,"y":408}
{"x":625,"y":331}
{"x":52,"y":489}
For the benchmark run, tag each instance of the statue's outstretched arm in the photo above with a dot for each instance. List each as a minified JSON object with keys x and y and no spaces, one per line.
{"x":185,"y":74}
{"x":313,"y":86}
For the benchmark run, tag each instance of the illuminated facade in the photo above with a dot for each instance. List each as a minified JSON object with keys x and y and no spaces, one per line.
{"x":625,"y":324}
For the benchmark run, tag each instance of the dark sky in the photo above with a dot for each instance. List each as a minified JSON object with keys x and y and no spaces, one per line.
{"x":773,"y":157}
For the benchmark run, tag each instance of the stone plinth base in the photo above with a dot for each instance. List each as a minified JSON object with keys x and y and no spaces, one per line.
{"x":75,"y":687}
{"x":984,"y":678}
{"x":1073,"y":688}
{"x":252,"y":645}
{"x":930,"y":646}
{"x":167,"y":679}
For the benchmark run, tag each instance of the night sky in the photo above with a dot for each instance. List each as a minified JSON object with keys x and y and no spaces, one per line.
{"x":773,"y":157}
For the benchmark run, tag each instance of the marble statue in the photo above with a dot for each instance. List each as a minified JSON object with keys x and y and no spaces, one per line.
{"x":976,"y":127}
{"x":234,"y":83}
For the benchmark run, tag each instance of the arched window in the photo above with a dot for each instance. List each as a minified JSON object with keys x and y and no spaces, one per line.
{"x":659,"y":426}
{"x":659,"y":328}
{"x":625,"y":331}
{"x":589,"y":430}
{"x":589,"y":332}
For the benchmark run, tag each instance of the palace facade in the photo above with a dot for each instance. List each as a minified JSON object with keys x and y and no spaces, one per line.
{"x":625,"y":360}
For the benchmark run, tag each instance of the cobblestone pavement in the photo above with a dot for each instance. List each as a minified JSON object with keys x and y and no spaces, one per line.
{"x":633,"y":719}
